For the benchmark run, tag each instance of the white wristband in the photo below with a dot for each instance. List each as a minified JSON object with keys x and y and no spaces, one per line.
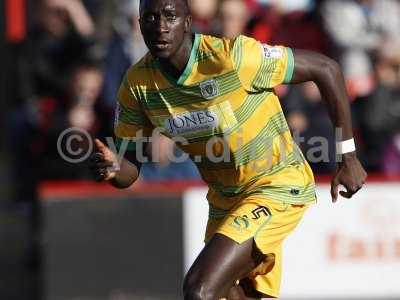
{"x":345,"y":146}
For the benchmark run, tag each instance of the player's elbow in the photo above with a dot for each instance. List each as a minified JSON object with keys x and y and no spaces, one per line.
{"x":328,"y":68}
{"x":119,"y":185}
{"x":122,"y":183}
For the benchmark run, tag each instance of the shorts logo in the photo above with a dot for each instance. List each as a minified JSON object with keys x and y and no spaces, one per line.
{"x":271,"y":52}
{"x":241,"y":222}
{"x":295,"y":192}
{"x":209,"y":89}
{"x":260,"y":211}
{"x":200,"y":120}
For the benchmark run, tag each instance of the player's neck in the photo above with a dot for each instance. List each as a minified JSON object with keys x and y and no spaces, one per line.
{"x":176,"y":64}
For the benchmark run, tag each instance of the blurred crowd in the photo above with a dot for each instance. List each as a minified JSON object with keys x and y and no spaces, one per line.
{"x":78,"y":50}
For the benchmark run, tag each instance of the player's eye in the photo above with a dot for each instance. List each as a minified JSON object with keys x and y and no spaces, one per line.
{"x":170,"y":16}
{"x":150,"y":18}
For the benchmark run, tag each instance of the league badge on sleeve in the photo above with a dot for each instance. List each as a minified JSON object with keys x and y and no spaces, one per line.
{"x":209,"y":89}
{"x":273,"y":52}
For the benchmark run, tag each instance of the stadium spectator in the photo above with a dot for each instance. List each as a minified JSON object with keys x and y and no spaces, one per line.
{"x":60,"y":38}
{"x":85,"y":87}
{"x":391,"y":163}
{"x":380,"y":113}
{"x":291,"y":23}
{"x":203,"y":12}
{"x":265,"y":20}
{"x":300,"y":27}
{"x":358,"y":29}
{"x":80,"y":107}
{"x":233,"y":16}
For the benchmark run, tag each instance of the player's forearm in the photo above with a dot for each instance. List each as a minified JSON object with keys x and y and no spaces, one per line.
{"x":333,"y":91}
{"x":327,"y":75}
{"x":126,"y":176}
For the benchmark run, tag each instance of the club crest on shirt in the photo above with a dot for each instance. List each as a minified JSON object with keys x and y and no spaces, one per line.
{"x":271,"y":51}
{"x":209,"y":89}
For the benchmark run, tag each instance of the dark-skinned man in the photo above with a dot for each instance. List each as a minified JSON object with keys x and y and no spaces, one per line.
{"x":217,"y":94}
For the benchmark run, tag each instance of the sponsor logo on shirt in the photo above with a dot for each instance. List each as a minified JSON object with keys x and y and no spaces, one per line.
{"x":272,"y":51}
{"x":191,"y":122}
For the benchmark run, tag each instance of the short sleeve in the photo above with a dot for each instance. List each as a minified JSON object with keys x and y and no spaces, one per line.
{"x":261,"y":66}
{"x":130,"y":120}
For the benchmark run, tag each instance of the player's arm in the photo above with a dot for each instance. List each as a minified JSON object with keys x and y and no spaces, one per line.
{"x":327,"y":75}
{"x":122,"y":170}
{"x":105,"y":166}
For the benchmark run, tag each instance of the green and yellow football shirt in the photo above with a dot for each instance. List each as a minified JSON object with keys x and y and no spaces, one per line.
{"x":224,"y":113}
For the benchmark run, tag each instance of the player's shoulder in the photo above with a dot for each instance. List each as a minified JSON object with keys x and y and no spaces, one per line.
{"x":216,"y":51}
{"x":245,"y":42}
{"x":139,"y":73}
{"x":225,"y":46}
{"x":253,"y":49}
{"x":212,"y":43}
{"x":218,"y":45}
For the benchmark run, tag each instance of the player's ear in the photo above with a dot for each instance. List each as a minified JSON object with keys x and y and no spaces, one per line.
{"x":188,"y":23}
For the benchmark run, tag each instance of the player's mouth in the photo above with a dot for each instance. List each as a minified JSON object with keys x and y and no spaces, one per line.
{"x":161,"y":45}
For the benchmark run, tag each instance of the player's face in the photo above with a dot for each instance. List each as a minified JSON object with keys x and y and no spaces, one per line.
{"x":164,"y":24}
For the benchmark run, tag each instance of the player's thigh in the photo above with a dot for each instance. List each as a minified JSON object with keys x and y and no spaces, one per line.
{"x":221,"y":263}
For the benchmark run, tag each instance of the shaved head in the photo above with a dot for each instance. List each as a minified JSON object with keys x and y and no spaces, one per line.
{"x":184,"y":2}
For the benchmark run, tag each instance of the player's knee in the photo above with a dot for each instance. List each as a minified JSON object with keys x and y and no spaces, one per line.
{"x":197,"y":289}
{"x":198,"y":292}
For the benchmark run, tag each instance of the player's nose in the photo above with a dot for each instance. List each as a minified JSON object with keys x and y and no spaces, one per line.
{"x":161,"y":26}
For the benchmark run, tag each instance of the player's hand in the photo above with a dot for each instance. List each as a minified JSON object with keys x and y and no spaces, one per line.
{"x":350,"y":174}
{"x":103,"y":163}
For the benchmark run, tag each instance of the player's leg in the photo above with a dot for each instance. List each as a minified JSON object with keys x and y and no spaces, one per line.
{"x":245,"y":245}
{"x":220,"y":264}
